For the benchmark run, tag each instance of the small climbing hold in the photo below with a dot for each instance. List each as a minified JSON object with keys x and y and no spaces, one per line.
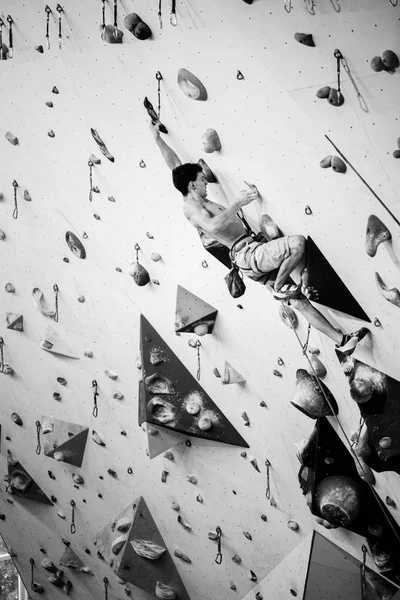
{"x":75,"y":245}
{"x":201,"y":329}
{"x":164,"y":476}
{"x":2,"y":235}
{"x":140,"y":275}
{"x":326,"y":162}
{"x":277,"y":373}
{"x":323,"y":92}
{"x":7,"y":369}
{"x":16,"y":418}
{"x":259,"y":596}
{"x":280,"y":361}
{"x":213,"y":535}
{"x":204,"y":263}
{"x":288,"y":316}
{"x":396,"y":153}
{"x":51,"y":133}
{"x":153,"y":432}
{"x":273,"y":502}
{"x":60,"y":456}
{"x":338,"y":165}
{"x":61,"y":514}
{"x":81,"y":299}
{"x":39,"y":49}
{"x":159,"y":384}
{"x":55,"y":90}
{"x":375,"y":529}
{"x":191,"y":86}
{"x":147,"y":549}
{"x":109,"y":36}
{"x":111,"y":374}
{"x":385,"y":443}
{"x":390,"y":60}
{"x":112,"y":473}
{"x":390,"y":502}
{"x":111,"y":199}
{"x":293,"y":525}
{"x":155,"y":281}
{"x":239,"y":75}
{"x":97,"y":217}
{"x":208,"y":174}
{"x":96,"y":438}
{"x":376,"y":233}
{"x":164,"y":592}
{"x":88,"y":353}
{"x":243,"y":454}
{"x":160,"y":410}
{"x":137,"y":27}
{"x":204,"y":423}
{"x":377,"y":322}
{"x":247,"y":535}
{"x":175,"y":506}
{"x":392,"y":295}
{"x":117,"y":544}
{"x":78,"y":478}
{"x":199,"y":499}
{"x":124,"y":524}
{"x":255,"y":465}
{"x":49,"y":104}
{"x":65,"y":259}
{"x":155,"y":256}
{"x":210,"y":141}
{"x":10,"y":289}
{"x":233,"y":586}
{"x":305,"y":38}
{"x":264,"y":517}
{"x":169,"y":455}
{"x":179,"y":554}
{"x":12,"y":138}
{"x":245,"y":418}
{"x":293,"y":592}
{"x":216,"y":372}
{"x":94,"y":159}
{"x":252,"y":576}
{"x":62,"y":381}
{"x":316,"y":367}
{"x":184,"y":523}
{"x":335,"y":98}
{"x":236,"y":559}
{"x":117,"y":395}
{"x":191,"y":479}
{"x":57,"y":396}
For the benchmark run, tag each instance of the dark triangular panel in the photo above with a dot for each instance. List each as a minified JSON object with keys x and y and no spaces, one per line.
{"x":114,"y":543}
{"x":18,"y":474}
{"x":186,"y":389}
{"x":73,"y":449}
{"x":326,"y":287}
{"x":192,"y":310}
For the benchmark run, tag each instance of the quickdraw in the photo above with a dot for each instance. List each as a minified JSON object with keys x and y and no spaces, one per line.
{"x":56,"y":291}
{"x":172,"y":18}
{"x":60,"y":10}
{"x":268,"y":488}
{"x":1,"y":355}
{"x":218,"y":559}
{"x":90,"y":180}
{"x":10,"y":38}
{"x":73,"y":528}
{"x":115,"y":19}
{"x":38,"y":428}
{"x":363,"y":578}
{"x":287,"y":5}
{"x":95,"y":394}
{"x":159,"y":79}
{"x":15,"y":211}
{"x":105,"y":581}
{"x":339,"y":56}
{"x":1,"y":38}
{"x":48,"y":11}
{"x":310,"y":6}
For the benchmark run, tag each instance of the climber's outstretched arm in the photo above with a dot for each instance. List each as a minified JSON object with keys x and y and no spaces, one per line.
{"x":172,"y":160}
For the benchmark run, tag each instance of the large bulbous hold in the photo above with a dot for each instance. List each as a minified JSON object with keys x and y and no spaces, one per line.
{"x":140,"y":275}
{"x":339,"y":499}
{"x":311,"y":396}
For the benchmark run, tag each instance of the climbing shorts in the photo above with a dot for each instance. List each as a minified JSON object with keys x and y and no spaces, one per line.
{"x":256,"y":259}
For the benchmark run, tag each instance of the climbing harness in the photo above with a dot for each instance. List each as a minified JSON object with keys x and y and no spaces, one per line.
{"x":38,"y":428}
{"x":48,"y":11}
{"x":73,"y":528}
{"x":287,"y":4}
{"x":1,"y":355}
{"x":218,"y":559}
{"x":105,"y":580}
{"x":363,"y":578}
{"x":60,"y":10}
{"x":95,"y":394}
{"x":172,"y":17}
{"x":268,"y":488}
{"x":371,"y":487}
{"x":310,"y":6}
{"x":115,"y":19}
{"x":10,"y":36}
{"x":15,"y":211}
{"x":90,"y":180}
{"x":159,"y":79}
{"x":339,"y":56}
{"x":363,"y":180}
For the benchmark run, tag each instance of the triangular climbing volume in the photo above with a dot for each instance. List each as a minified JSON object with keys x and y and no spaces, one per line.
{"x":191,"y":311}
{"x":55,"y":344}
{"x":133,"y":546}
{"x":67,"y":439}
{"x":171,"y":397}
{"x":21,"y":483}
{"x":71,"y":560}
{"x":160,"y":439}
{"x":325,"y":286}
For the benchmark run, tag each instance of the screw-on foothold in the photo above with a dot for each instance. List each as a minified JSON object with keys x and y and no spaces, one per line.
{"x":175,"y":506}
{"x":293,"y":525}
{"x":377,"y":322}
{"x":243,"y":454}
{"x":263,"y":404}
{"x":390,"y":502}
{"x":253,"y":576}
{"x":191,"y":479}
{"x":247,"y":535}
{"x":199,"y":499}
{"x":236,"y":559}
{"x":10,"y":289}
{"x":264,"y":517}
{"x":164,"y":476}
{"x":277,"y":373}
{"x":168,"y":455}
{"x":255,"y":465}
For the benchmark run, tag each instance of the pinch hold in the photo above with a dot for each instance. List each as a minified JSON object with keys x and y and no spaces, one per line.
{"x":392,"y":295}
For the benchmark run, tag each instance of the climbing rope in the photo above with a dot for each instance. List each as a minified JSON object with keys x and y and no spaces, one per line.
{"x":60,"y":10}
{"x":15,"y":211}
{"x":172,"y":17}
{"x":115,"y":19}
{"x":55,"y":290}
{"x":371,"y":487}
{"x":105,"y":580}
{"x":159,"y":79}
{"x":268,"y":488}
{"x":48,"y":11}
{"x":95,"y":394}
{"x":90,"y":180}
{"x":310,"y":6}
{"x":73,"y":528}
{"x":218,"y":559}
{"x":38,"y":428}
{"x":160,"y":12}
{"x":363,"y":578}
{"x":1,"y":355}
{"x":339,"y":56}
{"x":10,"y":37}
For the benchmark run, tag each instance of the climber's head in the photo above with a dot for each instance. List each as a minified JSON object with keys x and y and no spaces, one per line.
{"x":189,"y":178}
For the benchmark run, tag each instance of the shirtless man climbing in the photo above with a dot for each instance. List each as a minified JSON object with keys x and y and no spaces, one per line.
{"x":255,"y":259}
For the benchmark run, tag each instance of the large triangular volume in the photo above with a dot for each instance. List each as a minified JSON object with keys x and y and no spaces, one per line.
{"x":325,"y":286}
{"x":192,"y":311}
{"x":231,"y":375}
{"x":21,"y":483}
{"x":14,"y":321}
{"x":341,"y":498}
{"x":54,"y":343}
{"x":160,"y":439}
{"x":133,"y":546}
{"x":71,"y":560}
{"x":217,"y":250}
{"x":66,"y":438}
{"x":377,"y":396}
{"x":331,"y":568}
{"x":171,"y":396}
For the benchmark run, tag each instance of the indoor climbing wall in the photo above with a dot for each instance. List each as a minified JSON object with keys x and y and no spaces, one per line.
{"x":160,"y":438}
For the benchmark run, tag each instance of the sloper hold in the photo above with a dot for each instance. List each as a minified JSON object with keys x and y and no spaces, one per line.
{"x":191,"y":86}
{"x":164,"y":440}
{"x":376,"y":233}
{"x":191,"y":311}
{"x":231,"y":375}
{"x":188,"y":389}
{"x":305,"y":38}
{"x":136,"y":569}
{"x":309,"y":399}
{"x":55,"y":344}
{"x":325,"y":286}
{"x":15,"y":321}
{"x":210,"y":141}
{"x":65,"y":437}
{"x":22,"y":484}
